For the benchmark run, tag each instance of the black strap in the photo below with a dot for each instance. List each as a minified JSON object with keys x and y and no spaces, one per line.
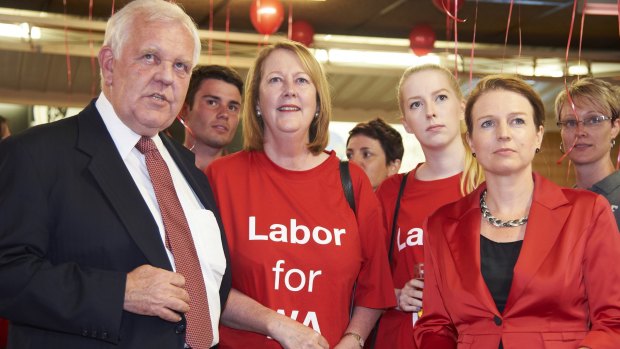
{"x":396,"y":209}
{"x":347,"y":185}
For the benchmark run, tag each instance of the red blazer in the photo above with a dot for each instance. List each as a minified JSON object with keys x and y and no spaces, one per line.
{"x":566,"y":287}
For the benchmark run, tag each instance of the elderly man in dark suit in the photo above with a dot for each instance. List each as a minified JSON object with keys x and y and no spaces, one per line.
{"x":109,"y":235}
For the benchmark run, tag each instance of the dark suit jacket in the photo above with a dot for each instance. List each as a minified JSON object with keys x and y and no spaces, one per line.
{"x":565,"y":291}
{"x":72,"y":225}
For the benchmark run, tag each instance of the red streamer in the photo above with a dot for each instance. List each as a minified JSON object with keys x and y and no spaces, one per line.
{"x":64,"y":4}
{"x":210,"y":29}
{"x":583,"y":21}
{"x":189,"y":130}
{"x":520,"y":39}
{"x":112,"y":8}
{"x":454,"y":16}
{"x":507,"y":30}
{"x":93,"y":64}
{"x":456,"y":39}
{"x":228,"y":34}
{"x":290,"y":20}
{"x":473,"y":45}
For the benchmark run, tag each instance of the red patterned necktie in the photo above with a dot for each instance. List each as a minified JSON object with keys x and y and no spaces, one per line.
{"x":179,"y":241}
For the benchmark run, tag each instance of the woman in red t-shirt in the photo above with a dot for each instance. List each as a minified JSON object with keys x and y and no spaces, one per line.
{"x":301,"y":257}
{"x":432,"y":108}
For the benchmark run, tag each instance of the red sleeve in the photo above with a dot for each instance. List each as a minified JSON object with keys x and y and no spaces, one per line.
{"x":602,"y":278}
{"x":435,"y":328}
{"x":374,"y":283}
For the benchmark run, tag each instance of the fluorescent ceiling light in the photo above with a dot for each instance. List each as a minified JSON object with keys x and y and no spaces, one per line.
{"x":578,"y":70}
{"x":551,"y":70}
{"x":373,"y":58}
{"x":599,"y":8}
{"x":22,"y":31}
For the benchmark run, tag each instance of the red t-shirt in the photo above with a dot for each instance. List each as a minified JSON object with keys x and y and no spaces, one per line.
{"x":419,"y":200}
{"x":295,"y":244}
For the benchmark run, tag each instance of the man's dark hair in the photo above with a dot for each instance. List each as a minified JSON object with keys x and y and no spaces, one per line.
{"x":390,"y":140}
{"x":215,"y":72}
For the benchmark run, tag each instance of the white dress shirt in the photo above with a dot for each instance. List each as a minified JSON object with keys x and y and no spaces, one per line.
{"x":202,"y":222}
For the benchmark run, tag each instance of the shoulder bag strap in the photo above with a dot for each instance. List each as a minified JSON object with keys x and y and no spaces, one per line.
{"x":396,"y":209}
{"x":347,"y":185}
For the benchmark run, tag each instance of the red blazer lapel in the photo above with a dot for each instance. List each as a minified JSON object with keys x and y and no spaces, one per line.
{"x":547,"y":216}
{"x":463,"y":239}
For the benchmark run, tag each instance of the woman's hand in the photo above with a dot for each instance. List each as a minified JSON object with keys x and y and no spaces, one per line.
{"x":244,"y":313}
{"x":293,"y":335}
{"x":409,"y":298}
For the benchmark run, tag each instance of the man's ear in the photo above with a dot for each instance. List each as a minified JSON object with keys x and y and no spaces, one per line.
{"x":106,"y":62}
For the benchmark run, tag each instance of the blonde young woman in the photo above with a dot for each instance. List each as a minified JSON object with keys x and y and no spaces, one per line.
{"x":589,"y":133}
{"x":296,"y":247}
{"x":520,"y":262}
{"x":432,"y":107}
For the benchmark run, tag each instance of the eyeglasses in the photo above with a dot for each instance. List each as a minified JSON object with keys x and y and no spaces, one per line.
{"x":589,"y":122}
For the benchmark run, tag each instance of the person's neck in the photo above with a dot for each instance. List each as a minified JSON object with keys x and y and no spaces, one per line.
{"x":510,"y":197}
{"x":442,"y":163}
{"x":589,"y":174}
{"x":205,"y":154}
{"x":291,"y":154}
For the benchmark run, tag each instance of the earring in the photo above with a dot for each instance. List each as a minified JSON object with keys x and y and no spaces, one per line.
{"x":258,"y":114}
{"x":473,"y":154}
{"x":613,"y":143}
{"x":562,"y":147}
{"x":537,"y":150}
{"x":316,"y":115}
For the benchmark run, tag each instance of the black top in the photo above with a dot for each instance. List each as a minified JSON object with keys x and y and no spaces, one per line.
{"x":497,"y":264}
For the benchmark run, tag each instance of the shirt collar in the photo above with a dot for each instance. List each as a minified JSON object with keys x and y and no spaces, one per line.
{"x":608,"y":184}
{"x":124,"y":138}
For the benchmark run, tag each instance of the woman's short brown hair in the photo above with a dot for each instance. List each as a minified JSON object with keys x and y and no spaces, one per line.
{"x":505,"y":82}
{"x":253,"y":126}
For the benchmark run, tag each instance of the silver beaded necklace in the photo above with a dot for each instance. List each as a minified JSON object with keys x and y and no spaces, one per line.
{"x":486,"y":214}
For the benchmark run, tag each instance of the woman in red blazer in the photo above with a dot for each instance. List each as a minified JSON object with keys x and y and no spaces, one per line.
{"x":520,"y":262}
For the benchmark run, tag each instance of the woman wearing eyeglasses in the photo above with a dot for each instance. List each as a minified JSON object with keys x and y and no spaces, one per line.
{"x":589,"y":133}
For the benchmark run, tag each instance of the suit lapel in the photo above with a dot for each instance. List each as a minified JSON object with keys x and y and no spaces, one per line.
{"x":117,"y":185}
{"x":548,"y":213}
{"x":463,"y":239}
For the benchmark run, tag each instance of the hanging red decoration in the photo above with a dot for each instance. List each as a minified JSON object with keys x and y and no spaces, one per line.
{"x":303,"y":32}
{"x":422,"y":39}
{"x":266,"y":15}
{"x":447,"y":6}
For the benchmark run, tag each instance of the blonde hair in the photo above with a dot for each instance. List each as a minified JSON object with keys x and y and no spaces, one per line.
{"x":599,"y":93}
{"x":473,"y":175}
{"x":253,"y":127}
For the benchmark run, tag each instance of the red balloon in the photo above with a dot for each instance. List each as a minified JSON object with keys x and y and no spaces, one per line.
{"x":266,"y":15}
{"x":422,"y":39}
{"x":302,"y":32}
{"x":444,"y":5}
